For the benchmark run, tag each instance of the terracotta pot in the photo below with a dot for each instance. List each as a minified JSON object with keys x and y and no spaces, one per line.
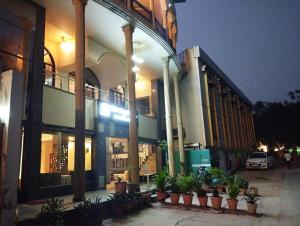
{"x":242,"y":191}
{"x":232,"y":204}
{"x":252,"y":208}
{"x":203,"y":201}
{"x":216,"y":202}
{"x":120,"y":187}
{"x":187,"y":199}
{"x":175,"y":198}
{"x":161,"y":196}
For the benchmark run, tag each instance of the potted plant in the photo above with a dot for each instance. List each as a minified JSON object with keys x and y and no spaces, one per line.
{"x":186,"y":184}
{"x":217,"y":178}
{"x":120,"y":186}
{"x":160,"y":182}
{"x":118,"y":201}
{"x":233,"y":190}
{"x":175,"y":190}
{"x":200,"y":190}
{"x":252,"y":197}
{"x":216,"y":199}
{"x":52,"y":212}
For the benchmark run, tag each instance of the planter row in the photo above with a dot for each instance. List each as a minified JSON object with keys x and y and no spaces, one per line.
{"x":215,"y":201}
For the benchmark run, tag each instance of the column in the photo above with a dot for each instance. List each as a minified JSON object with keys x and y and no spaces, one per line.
{"x":165,"y":61}
{"x":79,"y":171}
{"x":207,"y":110}
{"x":179,"y":124}
{"x":133,"y":130}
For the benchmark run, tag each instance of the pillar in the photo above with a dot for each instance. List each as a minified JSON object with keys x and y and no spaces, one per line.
{"x":79,"y":171}
{"x":151,"y":3}
{"x":179,"y":124}
{"x":133,"y":130}
{"x":165,"y":61}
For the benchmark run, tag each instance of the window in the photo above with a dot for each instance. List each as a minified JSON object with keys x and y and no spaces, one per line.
{"x":58,"y":152}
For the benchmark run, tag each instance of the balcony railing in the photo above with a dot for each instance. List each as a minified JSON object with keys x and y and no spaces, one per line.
{"x":146,"y":14}
{"x":67,"y":84}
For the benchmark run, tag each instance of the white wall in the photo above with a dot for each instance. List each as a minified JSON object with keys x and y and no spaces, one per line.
{"x":59,"y":108}
{"x":191,"y":103}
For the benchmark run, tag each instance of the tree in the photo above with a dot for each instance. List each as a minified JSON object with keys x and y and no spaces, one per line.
{"x":278,"y":122}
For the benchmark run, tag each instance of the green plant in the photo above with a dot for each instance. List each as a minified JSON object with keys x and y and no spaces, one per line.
{"x":233,"y":186}
{"x":186,"y":184}
{"x":252,"y":195}
{"x":198,"y":186}
{"x":118,"y":199}
{"x":217,"y":176}
{"x":90,"y":212}
{"x":244,"y":184}
{"x":161,"y":180}
{"x":174,"y":184}
{"x":51,"y":212}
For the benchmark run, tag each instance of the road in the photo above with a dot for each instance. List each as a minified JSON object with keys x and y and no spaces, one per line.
{"x":280,"y":205}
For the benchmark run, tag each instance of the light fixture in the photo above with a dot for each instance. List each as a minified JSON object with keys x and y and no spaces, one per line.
{"x":135,"y":68}
{"x":137,"y":59}
{"x":66,"y":45}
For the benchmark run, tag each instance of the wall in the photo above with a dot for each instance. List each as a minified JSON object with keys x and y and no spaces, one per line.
{"x":59,"y":108}
{"x":191,"y":103}
{"x":147,"y":127}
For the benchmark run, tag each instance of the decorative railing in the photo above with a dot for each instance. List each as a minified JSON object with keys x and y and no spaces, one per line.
{"x":146,"y":14}
{"x":63,"y":82}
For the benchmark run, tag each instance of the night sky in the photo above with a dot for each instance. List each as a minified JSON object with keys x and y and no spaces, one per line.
{"x":255,"y":42}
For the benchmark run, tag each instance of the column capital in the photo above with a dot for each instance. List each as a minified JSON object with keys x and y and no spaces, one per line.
{"x":79,"y":2}
{"x":165,"y":60}
{"x":128,"y":29}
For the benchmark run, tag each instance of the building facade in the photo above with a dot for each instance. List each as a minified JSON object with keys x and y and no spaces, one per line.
{"x":96,"y":90}
{"x":215,"y":113}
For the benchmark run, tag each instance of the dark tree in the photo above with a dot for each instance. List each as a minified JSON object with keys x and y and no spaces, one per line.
{"x":278,"y":122}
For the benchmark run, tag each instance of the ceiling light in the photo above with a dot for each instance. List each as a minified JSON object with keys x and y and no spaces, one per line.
{"x":135,"y":69}
{"x":137,"y":59}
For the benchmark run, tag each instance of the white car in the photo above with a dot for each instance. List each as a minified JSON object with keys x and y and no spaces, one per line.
{"x":259,"y":160}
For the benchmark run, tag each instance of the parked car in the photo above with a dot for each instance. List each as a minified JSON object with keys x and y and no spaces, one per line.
{"x":260,"y":160}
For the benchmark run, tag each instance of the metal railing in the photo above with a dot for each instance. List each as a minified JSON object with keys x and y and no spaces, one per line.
{"x":66,"y":83}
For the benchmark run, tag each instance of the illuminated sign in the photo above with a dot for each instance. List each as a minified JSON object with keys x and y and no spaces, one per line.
{"x":114,"y":112}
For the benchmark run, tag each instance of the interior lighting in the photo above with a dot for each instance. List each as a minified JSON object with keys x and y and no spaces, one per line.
{"x":135,"y":68}
{"x":137,"y":59}
{"x":66,"y":45}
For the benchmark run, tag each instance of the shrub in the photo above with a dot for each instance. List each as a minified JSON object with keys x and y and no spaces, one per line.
{"x":186,"y":184}
{"x":252,"y":195}
{"x":160,"y":180}
{"x":51,"y":213}
{"x":174,"y":184}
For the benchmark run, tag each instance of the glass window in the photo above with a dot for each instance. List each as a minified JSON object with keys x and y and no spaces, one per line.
{"x":58,"y":152}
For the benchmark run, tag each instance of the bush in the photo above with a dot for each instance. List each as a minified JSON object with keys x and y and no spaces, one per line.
{"x":174,"y":184}
{"x":51,"y":213}
{"x":161,"y":180}
{"x":186,"y":184}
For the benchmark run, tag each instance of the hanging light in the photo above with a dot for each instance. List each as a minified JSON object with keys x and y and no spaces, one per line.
{"x":137,"y":59}
{"x":135,"y":68}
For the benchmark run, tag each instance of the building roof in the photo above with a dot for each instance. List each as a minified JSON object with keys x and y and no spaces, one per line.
{"x":212,"y":65}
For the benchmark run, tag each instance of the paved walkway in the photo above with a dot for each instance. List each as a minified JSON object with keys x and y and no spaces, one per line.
{"x":280,"y":205}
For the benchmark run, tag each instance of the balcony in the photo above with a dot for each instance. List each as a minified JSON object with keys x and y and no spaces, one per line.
{"x":137,"y":9}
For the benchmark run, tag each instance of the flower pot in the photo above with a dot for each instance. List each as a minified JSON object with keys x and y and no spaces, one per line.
{"x":175,"y":198}
{"x":161,"y":196}
{"x":187,"y":199}
{"x":252,"y":208}
{"x":243,"y":191}
{"x":203,"y":201}
{"x":216,"y":202}
{"x":232,"y":204}
{"x":120,"y":187}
